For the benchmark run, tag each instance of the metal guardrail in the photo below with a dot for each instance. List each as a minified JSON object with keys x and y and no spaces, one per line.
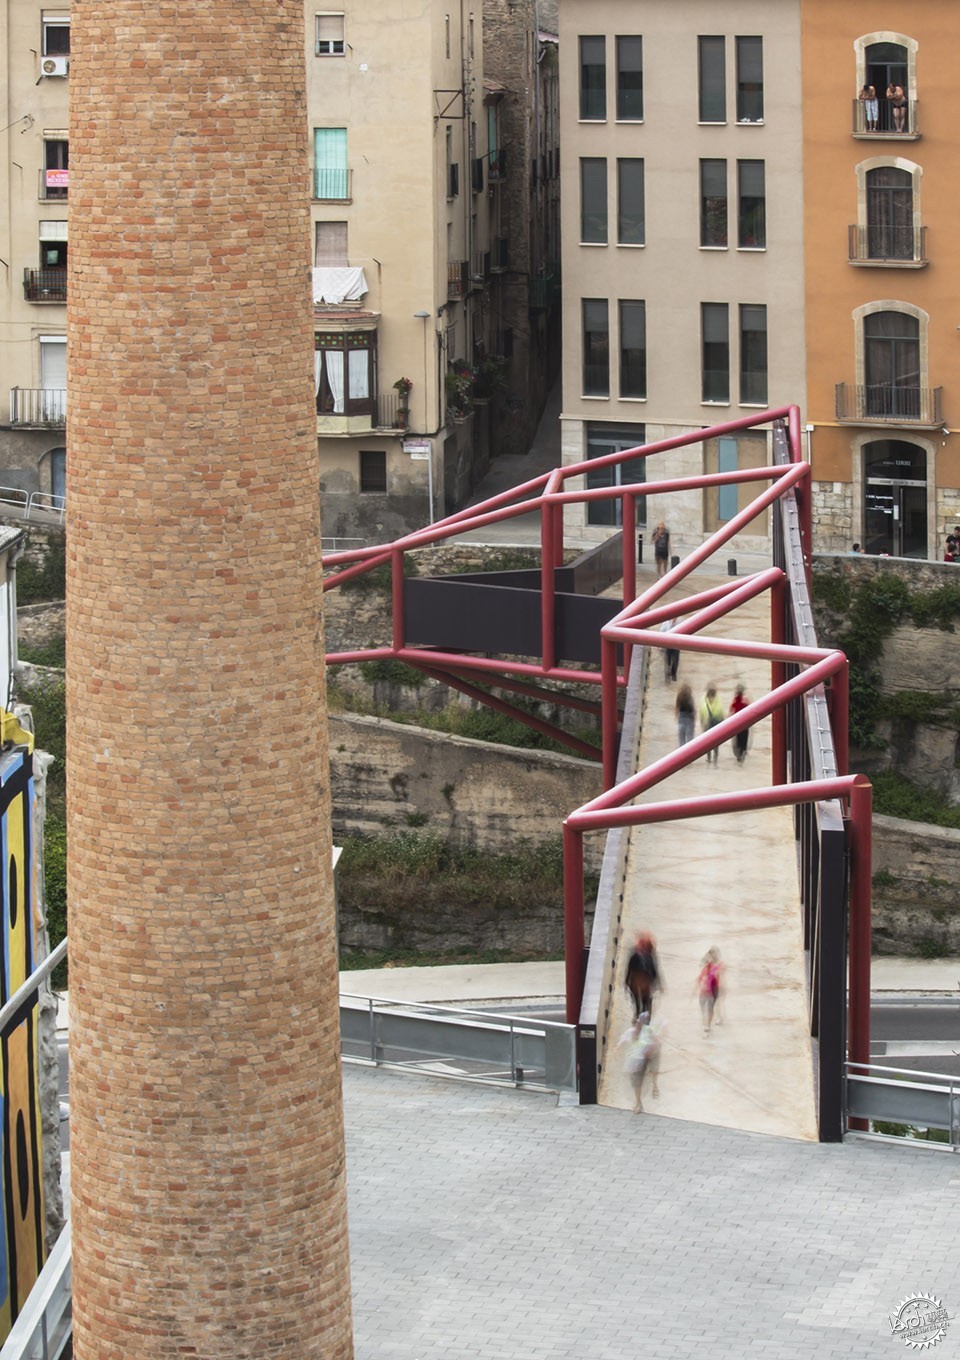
{"x":33,"y":504}
{"x":900,"y":1095}
{"x":451,"y":1042}
{"x":40,"y":407}
{"x":44,"y":1325}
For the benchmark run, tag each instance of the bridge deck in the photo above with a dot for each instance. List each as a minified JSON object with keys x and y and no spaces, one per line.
{"x":729,"y":882}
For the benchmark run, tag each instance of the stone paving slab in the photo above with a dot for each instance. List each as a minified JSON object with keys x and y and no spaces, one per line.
{"x":493,"y":1223}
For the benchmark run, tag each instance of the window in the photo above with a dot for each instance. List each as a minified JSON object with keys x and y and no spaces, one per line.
{"x":593,"y":201}
{"x":345,"y":372}
{"x":373,"y":470}
{"x":713,"y":203}
{"x":630,"y":203}
{"x":593,"y":78}
{"x":753,"y":354}
{"x":53,"y":249}
{"x":453,"y":168}
{"x":446,"y":36}
{"x":329,"y":35}
{"x":331,"y":177}
{"x":886,"y":66}
{"x":891,"y":362}
{"x":633,"y":349}
{"x":53,"y":377}
{"x":751,"y":205}
{"x":596,"y":348}
{"x":56,"y":168}
{"x":606,"y":439}
{"x":728,"y":460}
{"x":56,"y":36}
{"x":715,"y":334}
{"x":749,"y":80}
{"x":713,"y":79}
{"x":331,"y":245}
{"x":889,"y":214}
{"x":630,"y":79}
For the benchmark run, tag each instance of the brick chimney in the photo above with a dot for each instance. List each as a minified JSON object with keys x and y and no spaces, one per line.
{"x":208,"y":1188}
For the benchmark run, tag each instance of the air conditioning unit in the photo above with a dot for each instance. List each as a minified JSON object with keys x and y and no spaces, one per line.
{"x":54,"y":66}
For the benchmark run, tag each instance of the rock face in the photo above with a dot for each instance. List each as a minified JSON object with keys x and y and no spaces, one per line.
{"x":918,"y":660}
{"x":388,"y":776}
{"x":916,"y":869}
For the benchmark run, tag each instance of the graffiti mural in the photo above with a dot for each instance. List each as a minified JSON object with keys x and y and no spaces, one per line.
{"x":21,"y":1201}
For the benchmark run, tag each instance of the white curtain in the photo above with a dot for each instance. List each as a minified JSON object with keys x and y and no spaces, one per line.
{"x":359,"y":371}
{"x":317,"y":370}
{"x":335,"y":378}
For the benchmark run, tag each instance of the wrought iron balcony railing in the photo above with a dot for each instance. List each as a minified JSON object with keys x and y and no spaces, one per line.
{"x":886,"y":121}
{"x":458,"y":278}
{"x":887,"y":245}
{"x":333,"y":186}
{"x":40,"y":406}
{"x":45,"y":285}
{"x":898,"y":404}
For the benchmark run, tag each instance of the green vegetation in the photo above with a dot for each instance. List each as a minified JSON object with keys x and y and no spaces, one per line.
{"x":937,"y":708}
{"x":895,"y":796}
{"x":392,"y":671}
{"x":42,"y":584}
{"x":353,"y":959}
{"x":883,"y":878}
{"x":49,"y":705}
{"x":50,"y":653}
{"x":866,"y":616}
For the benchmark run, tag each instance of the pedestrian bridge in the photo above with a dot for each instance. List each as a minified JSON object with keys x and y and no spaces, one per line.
{"x":758,"y":859}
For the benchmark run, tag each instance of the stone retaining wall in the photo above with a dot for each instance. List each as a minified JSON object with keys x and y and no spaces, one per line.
{"x":916,"y":869}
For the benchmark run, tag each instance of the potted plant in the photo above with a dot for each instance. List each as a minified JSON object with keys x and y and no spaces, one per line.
{"x":458,"y":386}
{"x":403,"y":387}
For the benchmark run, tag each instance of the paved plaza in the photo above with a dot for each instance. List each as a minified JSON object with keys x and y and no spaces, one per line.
{"x":491,"y":1224}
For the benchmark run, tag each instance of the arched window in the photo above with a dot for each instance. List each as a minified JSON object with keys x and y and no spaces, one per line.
{"x":890,"y":214}
{"x":887,"y":62}
{"x":891,"y":365}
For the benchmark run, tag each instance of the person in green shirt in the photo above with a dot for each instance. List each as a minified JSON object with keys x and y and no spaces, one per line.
{"x":711,"y":712}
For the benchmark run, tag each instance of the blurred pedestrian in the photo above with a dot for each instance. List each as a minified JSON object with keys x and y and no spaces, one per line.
{"x":708,"y":987}
{"x":711,"y":713}
{"x":661,"y":548}
{"x":643,"y":1057}
{"x":643,"y":977}
{"x":671,"y":655}
{"x":686,"y":715}
{"x":737,"y":704}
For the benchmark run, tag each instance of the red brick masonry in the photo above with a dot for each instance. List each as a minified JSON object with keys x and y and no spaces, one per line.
{"x":208,"y":1188}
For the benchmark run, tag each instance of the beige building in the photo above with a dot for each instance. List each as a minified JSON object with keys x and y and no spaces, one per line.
{"x":402,"y":127}
{"x":34,"y":183}
{"x":682,"y":238}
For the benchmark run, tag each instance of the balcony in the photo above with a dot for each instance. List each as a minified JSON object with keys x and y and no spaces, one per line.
{"x":888,"y":247}
{"x":498,"y":165}
{"x":886,"y":129}
{"x":453,"y":180}
{"x":501,"y":254}
{"x":480,"y":270}
{"x":886,"y":404}
{"x":45,"y":285}
{"x":458,"y":278}
{"x":40,"y":407}
{"x":476,"y":175}
{"x":333,"y":186}
{"x":391,"y":412}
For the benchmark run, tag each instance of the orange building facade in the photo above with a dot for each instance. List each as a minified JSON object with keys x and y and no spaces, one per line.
{"x":882,"y":273}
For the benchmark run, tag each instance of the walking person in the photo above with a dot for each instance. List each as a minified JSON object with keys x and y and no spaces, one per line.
{"x":643,"y":1057}
{"x":671,"y":655}
{"x":642,"y":977}
{"x":686,"y":715}
{"x":737,"y":704}
{"x":661,"y":548}
{"x":708,"y":988}
{"x":711,"y":713}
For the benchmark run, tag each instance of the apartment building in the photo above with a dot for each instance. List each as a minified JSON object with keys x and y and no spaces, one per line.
{"x":882,"y":271}
{"x":682,"y":240}
{"x":406,"y":176}
{"x":34,"y":186}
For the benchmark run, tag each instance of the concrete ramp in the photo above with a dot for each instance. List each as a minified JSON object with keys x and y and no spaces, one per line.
{"x":724,"y":881}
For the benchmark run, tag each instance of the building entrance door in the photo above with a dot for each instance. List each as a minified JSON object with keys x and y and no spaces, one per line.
{"x":895,"y":499}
